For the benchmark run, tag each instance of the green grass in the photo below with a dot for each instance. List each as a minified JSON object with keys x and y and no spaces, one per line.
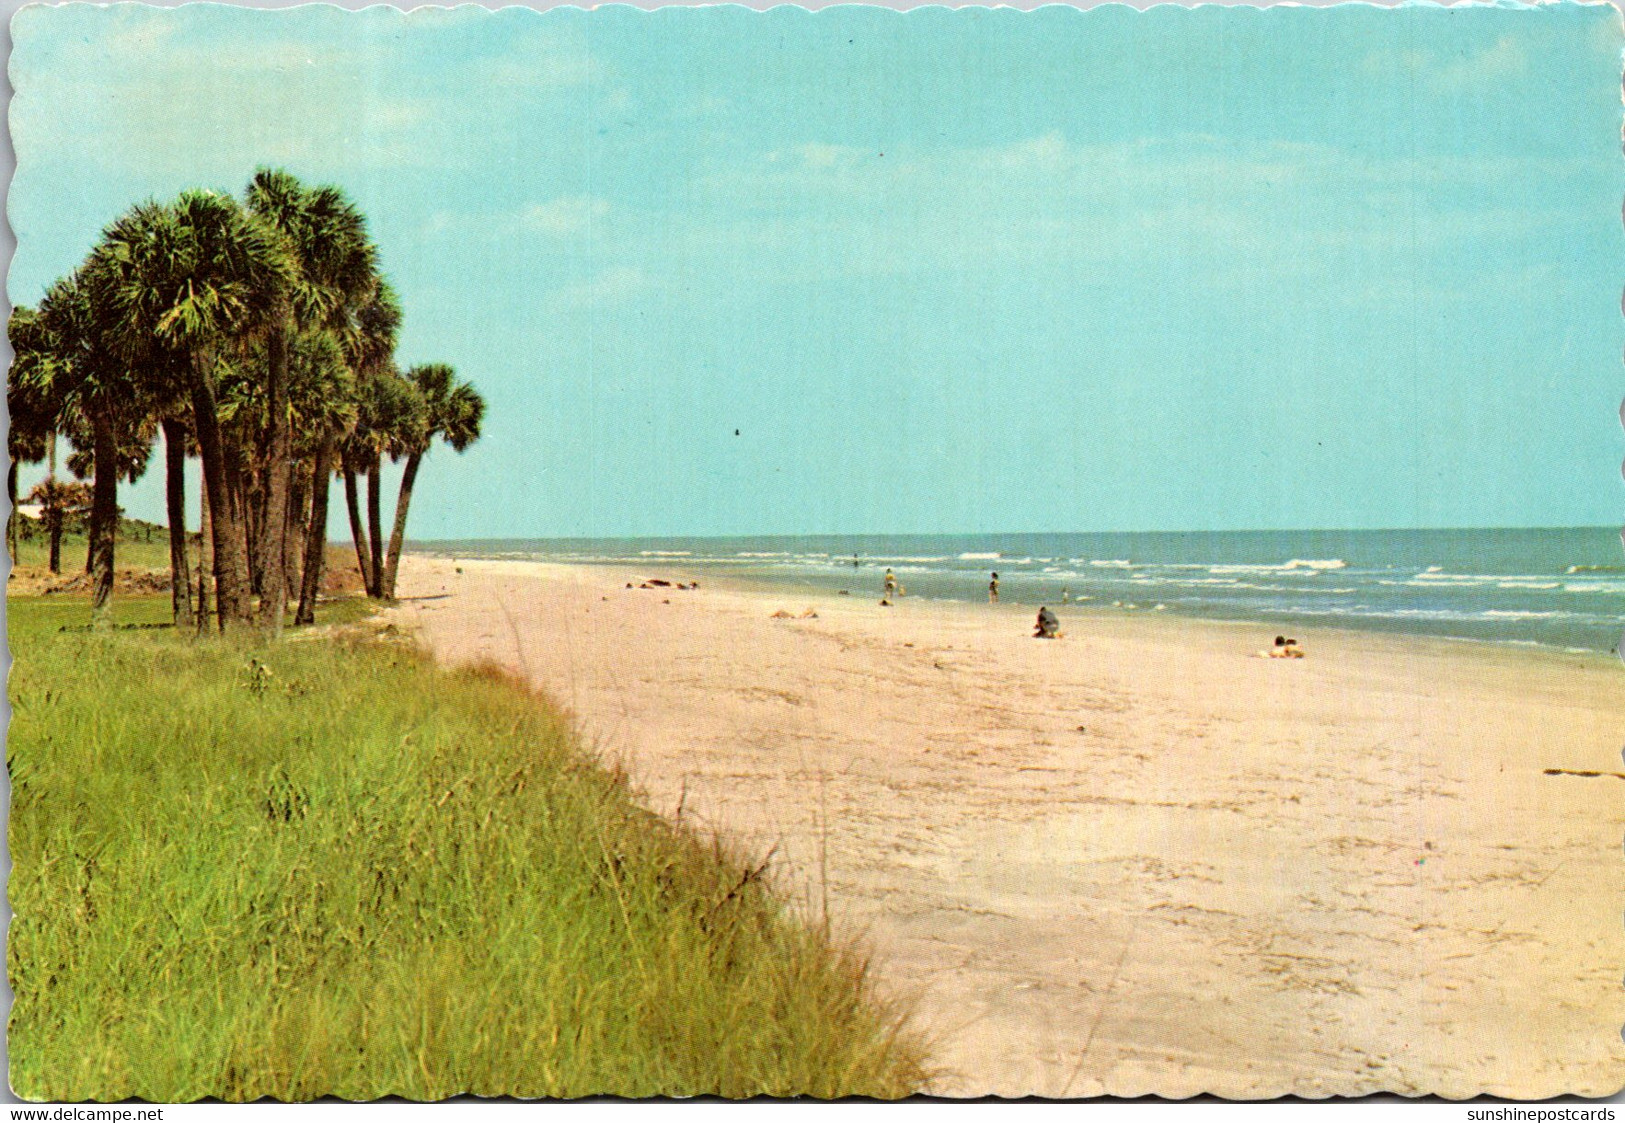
{"x":31,"y":619}
{"x":37,"y":615}
{"x":131,"y":551}
{"x":330,"y":868}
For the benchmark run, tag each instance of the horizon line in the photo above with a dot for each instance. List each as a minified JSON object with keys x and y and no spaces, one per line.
{"x":996,"y":533}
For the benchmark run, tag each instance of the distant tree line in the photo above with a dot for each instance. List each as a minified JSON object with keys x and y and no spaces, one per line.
{"x":259,"y":336}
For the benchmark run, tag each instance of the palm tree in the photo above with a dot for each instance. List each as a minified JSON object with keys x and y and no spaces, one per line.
{"x":176,"y":441}
{"x":134,"y":430}
{"x":31,"y":406}
{"x":98,"y":397}
{"x":367,"y":338}
{"x":58,"y":503}
{"x":187,"y":280}
{"x":242,"y":409}
{"x":262,"y":332}
{"x":322,"y":392}
{"x":353,"y":457}
{"x":334,"y":264}
{"x":391,"y":422}
{"x":453,"y":412}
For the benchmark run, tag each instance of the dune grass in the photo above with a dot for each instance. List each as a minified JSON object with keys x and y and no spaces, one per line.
{"x":331,"y":868}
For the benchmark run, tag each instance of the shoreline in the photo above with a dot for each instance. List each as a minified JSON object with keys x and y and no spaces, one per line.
{"x":1137,"y":860}
{"x":1093,"y":611}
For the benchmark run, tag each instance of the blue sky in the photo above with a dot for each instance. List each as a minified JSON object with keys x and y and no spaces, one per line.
{"x":723,"y":272}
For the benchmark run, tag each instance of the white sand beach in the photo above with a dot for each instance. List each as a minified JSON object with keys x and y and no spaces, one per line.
{"x":1139,"y":859}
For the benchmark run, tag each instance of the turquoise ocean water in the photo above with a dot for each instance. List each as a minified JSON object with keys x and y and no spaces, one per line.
{"x":1561,"y":588}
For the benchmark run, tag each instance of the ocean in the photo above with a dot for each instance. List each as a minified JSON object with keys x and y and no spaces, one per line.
{"x":1562,"y":588}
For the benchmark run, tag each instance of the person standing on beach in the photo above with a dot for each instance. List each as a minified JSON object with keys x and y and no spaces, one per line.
{"x":993,"y":590}
{"x":891,"y":585}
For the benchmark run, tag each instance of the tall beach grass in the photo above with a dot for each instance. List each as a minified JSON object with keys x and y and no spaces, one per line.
{"x":331,"y":868}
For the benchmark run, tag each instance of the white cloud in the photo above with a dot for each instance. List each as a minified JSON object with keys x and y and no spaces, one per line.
{"x":822,"y":155}
{"x":1189,"y":166}
{"x":1504,"y":59}
{"x":536,"y":224}
{"x":1188,"y":204}
{"x":570,"y":214}
{"x":1451,"y":74}
{"x":1047,"y":153}
{"x":197,"y":92}
{"x":547,"y":71}
{"x":614,"y":285}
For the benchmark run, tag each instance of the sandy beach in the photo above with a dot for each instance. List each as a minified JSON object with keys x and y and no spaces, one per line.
{"x":1139,"y":859}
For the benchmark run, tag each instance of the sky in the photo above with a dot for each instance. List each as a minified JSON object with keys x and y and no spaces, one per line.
{"x":726,"y":272}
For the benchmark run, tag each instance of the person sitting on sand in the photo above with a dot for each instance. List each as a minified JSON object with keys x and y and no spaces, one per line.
{"x":1047,"y":626}
{"x":1284,"y":648}
{"x":993,"y":590}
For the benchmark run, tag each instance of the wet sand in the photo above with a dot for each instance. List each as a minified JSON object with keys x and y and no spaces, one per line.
{"x":1138,"y":859}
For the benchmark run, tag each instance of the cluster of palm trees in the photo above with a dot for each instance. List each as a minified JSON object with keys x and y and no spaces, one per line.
{"x":258,"y":335}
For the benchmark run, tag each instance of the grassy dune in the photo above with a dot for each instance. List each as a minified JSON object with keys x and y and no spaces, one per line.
{"x":330,"y":868}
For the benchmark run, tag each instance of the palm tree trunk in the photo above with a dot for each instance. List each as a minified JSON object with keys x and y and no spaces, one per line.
{"x":310,"y":584}
{"x":251,"y":536}
{"x":230,"y":569}
{"x":254,"y":525}
{"x":293,"y":532}
{"x":11,"y":519}
{"x":53,"y":523}
{"x":242,"y":514}
{"x":398,"y":537}
{"x":180,"y":570}
{"x":358,"y":533}
{"x":278,"y":476}
{"x":103,"y":518}
{"x":237,"y":488}
{"x":375,"y":526}
{"x":205,"y":560}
